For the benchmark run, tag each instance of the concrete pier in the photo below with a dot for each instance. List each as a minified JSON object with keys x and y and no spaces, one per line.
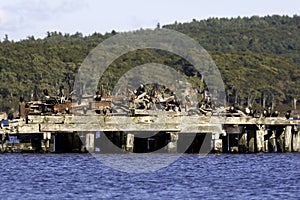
{"x":140,"y":134}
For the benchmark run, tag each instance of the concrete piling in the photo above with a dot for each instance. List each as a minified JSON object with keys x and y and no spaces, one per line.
{"x":217,"y":144}
{"x":280,"y":140}
{"x":172,"y":145}
{"x":45,"y":142}
{"x":251,"y":140}
{"x":296,"y":141}
{"x":129,"y":142}
{"x":273,"y":143}
{"x":288,"y":139}
{"x":243,"y":143}
{"x":90,"y":142}
{"x":260,"y":140}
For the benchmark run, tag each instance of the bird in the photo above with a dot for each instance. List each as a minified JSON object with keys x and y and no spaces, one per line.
{"x":247,"y":110}
{"x":266,"y":113}
{"x":275,"y":114}
{"x":288,"y":114}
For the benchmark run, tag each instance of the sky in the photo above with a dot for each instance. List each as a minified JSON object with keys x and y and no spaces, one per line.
{"x":22,"y":18}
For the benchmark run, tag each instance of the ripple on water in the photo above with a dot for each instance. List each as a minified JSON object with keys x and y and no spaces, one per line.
{"x":53,"y":176}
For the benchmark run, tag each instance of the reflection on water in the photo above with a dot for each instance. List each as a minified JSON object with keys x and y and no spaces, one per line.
{"x":226,"y":176}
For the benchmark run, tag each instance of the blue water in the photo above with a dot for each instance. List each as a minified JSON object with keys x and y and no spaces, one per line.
{"x":81,"y":176}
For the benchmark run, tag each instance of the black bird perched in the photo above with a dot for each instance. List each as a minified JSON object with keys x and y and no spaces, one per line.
{"x":46,"y":93}
{"x":266,"y":113}
{"x":275,"y":114}
{"x":141,"y":90}
{"x":288,"y":114}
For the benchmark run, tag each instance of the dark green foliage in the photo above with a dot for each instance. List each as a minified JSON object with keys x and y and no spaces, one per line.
{"x":258,"y":58}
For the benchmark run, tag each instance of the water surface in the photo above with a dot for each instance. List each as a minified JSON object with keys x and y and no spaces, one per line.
{"x":225,"y":176}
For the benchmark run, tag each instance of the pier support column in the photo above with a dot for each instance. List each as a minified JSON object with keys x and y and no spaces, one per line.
{"x":90,"y":142}
{"x":45,"y":143}
{"x":242,"y":145}
{"x":251,"y":139}
{"x":280,"y":140}
{"x":273,"y":141}
{"x":129,"y":142}
{"x":172,"y":145}
{"x":260,"y":139}
{"x":296,"y":141}
{"x":265,"y":141}
{"x":5,"y":136}
{"x":217,"y":143}
{"x":288,"y":139}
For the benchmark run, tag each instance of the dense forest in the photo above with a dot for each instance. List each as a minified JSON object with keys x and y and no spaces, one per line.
{"x":258,"y":57}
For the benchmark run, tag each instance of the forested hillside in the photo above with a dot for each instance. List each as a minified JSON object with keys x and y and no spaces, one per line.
{"x":259,"y":59}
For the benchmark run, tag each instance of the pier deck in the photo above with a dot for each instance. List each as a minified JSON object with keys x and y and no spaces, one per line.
{"x":228,"y":134}
{"x":178,"y":123}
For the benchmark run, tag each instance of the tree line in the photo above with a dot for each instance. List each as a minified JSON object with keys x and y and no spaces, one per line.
{"x":258,"y":58}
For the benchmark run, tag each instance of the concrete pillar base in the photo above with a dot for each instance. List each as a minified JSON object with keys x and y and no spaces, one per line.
{"x":243,"y":143}
{"x":288,"y":139}
{"x":90,"y":142}
{"x":172,"y":145}
{"x":296,"y":141}
{"x":251,"y":142}
{"x":260,"y":140}
{"x":129,"y":142}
